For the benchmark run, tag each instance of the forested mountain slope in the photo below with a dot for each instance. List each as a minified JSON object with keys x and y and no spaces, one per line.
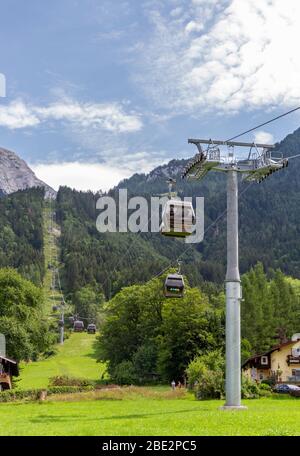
{"x":21,"y":234}
{"x":111,"y":259}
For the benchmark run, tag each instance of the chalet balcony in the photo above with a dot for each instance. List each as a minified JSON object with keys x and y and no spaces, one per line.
{"x":291,"y":359}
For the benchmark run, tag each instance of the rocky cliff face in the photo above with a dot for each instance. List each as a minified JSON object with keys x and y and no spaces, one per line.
{"x":15,"y":175}
{"x":171,"y":169}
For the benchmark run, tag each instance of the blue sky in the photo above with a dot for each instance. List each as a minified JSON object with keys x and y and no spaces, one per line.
{"x":97,"y":90}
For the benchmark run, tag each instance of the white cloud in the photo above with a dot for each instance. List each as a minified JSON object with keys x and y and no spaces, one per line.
{"x":223,"y":55}
{"x":263,"y":137}
{"x":96,"y":176}
{"x":110,"y":117}
{"x":17,"y":115}
{"x":81,"y":176}
{"x":193,"y":26}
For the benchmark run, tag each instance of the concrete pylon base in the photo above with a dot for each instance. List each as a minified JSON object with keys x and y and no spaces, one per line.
{"x":233,"y":407}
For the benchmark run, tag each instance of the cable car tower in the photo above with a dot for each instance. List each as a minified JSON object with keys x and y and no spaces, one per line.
{"x":256,"y":167}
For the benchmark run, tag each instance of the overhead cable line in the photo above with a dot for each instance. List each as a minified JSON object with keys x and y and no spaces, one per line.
{"x":265,"y":123}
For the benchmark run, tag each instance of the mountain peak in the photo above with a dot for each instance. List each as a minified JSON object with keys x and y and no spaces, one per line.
{"x":16,"y":175}
{"x":170,"y":169}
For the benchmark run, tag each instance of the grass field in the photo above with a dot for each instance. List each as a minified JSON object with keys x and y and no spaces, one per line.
{"x":75,"y":358}
{"x":149,"y":416}
{"x":51,"y":253}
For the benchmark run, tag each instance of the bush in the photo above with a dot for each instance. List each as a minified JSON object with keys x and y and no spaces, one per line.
{"x":269,"y":381}
{"x":16,"y":395}
{"x":64,"y":380}
{"x":253,"y":390}
{"x":34,"y":394}
{"x":206,"y":375}
{"x":265,"y":386}
{"x":211,"y":386}
{"x":69,"y":389}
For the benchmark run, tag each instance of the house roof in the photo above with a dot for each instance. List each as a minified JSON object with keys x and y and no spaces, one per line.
{"x":8,"y":359}
{"x":14,"y":367}
{"x":271,"y":350}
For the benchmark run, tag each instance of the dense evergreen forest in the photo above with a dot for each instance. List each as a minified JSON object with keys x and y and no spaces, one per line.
{"x":21,"y":236}
{"x":270,"y":309}
{"x":111,"y":259}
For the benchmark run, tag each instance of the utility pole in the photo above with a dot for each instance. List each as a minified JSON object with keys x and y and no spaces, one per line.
{"x":255,"y":168}
{"x":62,"y":325}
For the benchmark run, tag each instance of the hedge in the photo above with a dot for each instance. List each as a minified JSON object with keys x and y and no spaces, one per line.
{"x":34,"y":394}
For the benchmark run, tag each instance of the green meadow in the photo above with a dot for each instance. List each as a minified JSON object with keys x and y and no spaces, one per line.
{"x":75,"y":358}
{"x":143,"y":414}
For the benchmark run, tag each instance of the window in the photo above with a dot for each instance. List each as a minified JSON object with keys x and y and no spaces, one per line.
{"x":296,"y":351}
{"x":264,"y":360}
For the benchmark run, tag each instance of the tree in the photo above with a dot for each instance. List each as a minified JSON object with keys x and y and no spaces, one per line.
{"x":184,"y":333}
{"x":158,"y":336}
{"x":206,"y":375}
{"x":269,"y":305}
{"x":22,"y":316}
{"x":21,"y":236}
{"x":88,"y":302}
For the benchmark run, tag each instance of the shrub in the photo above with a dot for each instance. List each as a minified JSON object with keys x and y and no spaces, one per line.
{"x":34,"y":394}
{"x":16,"y":395}
{"x":206,"y":375}
{"x":69,"y":389}
{"x":265,"y":386}
{"x":253,"y":390}
{"x":65,"y":380}
{"x":269,"y":381}
{"x":211,"y":385}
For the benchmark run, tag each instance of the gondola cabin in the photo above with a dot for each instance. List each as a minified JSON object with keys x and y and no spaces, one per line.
{"x":78,"y":326}
{"x":91,"y":329}
{"x":8,"y":369}
{"x":174,"y":286}
{"x":177,"y":219}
